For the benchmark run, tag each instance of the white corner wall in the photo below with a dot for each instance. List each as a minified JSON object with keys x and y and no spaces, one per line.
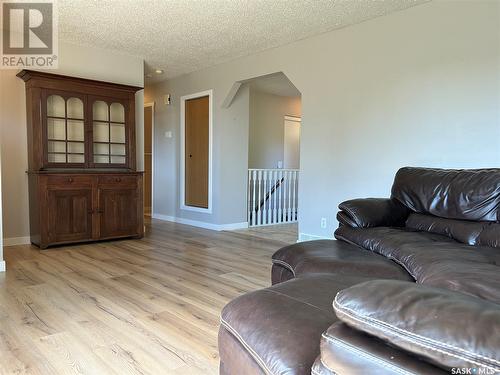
{"x":266,"y":144}
{"x":417,"y":87}
{"x":77,"y":61}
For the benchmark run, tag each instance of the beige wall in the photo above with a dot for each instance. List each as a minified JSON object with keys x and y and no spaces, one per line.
{"x":266,"y":129}
{"x":85,"y":62}
{"x":417,"y":87}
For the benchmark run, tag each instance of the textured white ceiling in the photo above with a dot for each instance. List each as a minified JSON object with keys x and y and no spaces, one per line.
{"x":181,"y":36}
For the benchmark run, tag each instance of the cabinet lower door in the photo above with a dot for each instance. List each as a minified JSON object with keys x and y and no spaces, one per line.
{"x":118,"y":212}
{"x":69,"y":215}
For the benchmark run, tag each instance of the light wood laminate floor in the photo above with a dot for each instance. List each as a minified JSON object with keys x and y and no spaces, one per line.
{"x":148,"y":306}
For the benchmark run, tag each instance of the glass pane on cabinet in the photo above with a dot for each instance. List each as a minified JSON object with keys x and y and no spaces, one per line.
{"x":117,"y":112}
{"x":100,"y":111}
{"x":75,"y":108}
{"x":101,"y":132}
{"x":72,"y":158}
{"x":101,"y":159}
{"x":75,"y":130}
{"x":76,"y":147}
{"x":56,"y":146}
{"x":56,"y":129}
{"x":118,"y":149}
{"x":56,"y":158}
{"x":118,"y":133}
{"x":118,"y":159}
{"x":101,"y":149}
{"x":55,"y":106}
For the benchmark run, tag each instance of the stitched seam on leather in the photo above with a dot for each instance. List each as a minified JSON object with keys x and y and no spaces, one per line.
{"x":347,"y":220}
{"x":409,"y":335}
{"x":325,"y":365}
{"x":297,"y":300}
{"x":255,"y":356}
{"x":284,"y":264}
{"x":353,"y":215}
{"x":366,"y":355}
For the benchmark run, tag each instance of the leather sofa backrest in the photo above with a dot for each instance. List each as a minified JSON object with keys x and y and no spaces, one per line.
{"x":472,"y":194}
{"x":474,"y":233}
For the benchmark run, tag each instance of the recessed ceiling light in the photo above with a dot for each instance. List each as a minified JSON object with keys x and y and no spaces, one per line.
{"x":159,"y":71}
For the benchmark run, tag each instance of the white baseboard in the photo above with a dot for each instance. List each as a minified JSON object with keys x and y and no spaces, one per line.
{"x":311,"y":237}
{"x":201,"y":224}
{"x":13,"y":241}
{"x":2,"y":266}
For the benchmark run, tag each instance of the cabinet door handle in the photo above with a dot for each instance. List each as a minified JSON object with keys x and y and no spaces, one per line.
{"x":70,"y":180}
{"x":100,"y":211}
{"x":118,"y":179}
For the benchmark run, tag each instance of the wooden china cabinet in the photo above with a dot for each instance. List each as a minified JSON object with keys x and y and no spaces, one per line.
{"x":83,"y":185}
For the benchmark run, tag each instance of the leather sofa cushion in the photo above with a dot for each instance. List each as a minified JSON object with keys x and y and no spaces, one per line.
{"x":384,"y":240}
{"x":423,"y":320}
{"x":434,"y":260}
{"x":331,"y":256}
{"x":348,"y":351}
{"x":473,"y":233}
{"x":477,"y":279}
{"x":453,"y":194}
{"x":373,"y":212}
{"x":281,"y":342}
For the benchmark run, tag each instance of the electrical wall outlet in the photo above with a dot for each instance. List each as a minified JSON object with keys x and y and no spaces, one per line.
{"x":323,"y":222}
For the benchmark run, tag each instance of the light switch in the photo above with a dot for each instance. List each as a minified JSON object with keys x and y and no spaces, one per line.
{"x":280,"y":164}
{"x":168,"y":134}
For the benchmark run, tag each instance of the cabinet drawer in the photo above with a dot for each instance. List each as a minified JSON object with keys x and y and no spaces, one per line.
{"x":118,"y":180}
{"x":69,"y":180}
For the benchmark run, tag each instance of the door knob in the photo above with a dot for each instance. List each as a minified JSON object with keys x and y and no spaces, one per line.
{"x":190,"y":155}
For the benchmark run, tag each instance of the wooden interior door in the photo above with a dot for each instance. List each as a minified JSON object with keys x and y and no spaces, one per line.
{"x":148,"y":160}
{"x":196,"y":152}
{"x":118,"y":211}
{"x":70,"y":215}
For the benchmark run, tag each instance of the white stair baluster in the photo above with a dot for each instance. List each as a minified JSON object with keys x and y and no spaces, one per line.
{"x":275,"y":179}
{"x":294,"y":209}
{"x":264,"y":194}
{"x":254,"y":212}
{"x":259,"y":177}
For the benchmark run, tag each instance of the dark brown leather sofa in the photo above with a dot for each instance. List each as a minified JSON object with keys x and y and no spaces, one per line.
{"x":410,"y":286}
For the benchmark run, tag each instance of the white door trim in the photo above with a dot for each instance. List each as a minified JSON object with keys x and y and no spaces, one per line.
{"x":183,"y":205}
{"x":152,"y":105}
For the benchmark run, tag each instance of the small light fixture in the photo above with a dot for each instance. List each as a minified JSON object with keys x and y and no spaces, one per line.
{"x":159,"y":71}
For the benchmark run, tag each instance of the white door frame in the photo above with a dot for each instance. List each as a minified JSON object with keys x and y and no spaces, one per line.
{"x":152,"y":105}
{"x":293,"y":119}
{"x":183,"y":205}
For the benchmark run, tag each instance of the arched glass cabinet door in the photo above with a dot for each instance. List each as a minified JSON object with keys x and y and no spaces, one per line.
{"x":65,"y":130}
{"x":109,"y":133}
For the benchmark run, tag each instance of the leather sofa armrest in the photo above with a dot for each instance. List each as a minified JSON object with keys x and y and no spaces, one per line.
{"x":447,"y":328}
{"x":372,"y":212}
